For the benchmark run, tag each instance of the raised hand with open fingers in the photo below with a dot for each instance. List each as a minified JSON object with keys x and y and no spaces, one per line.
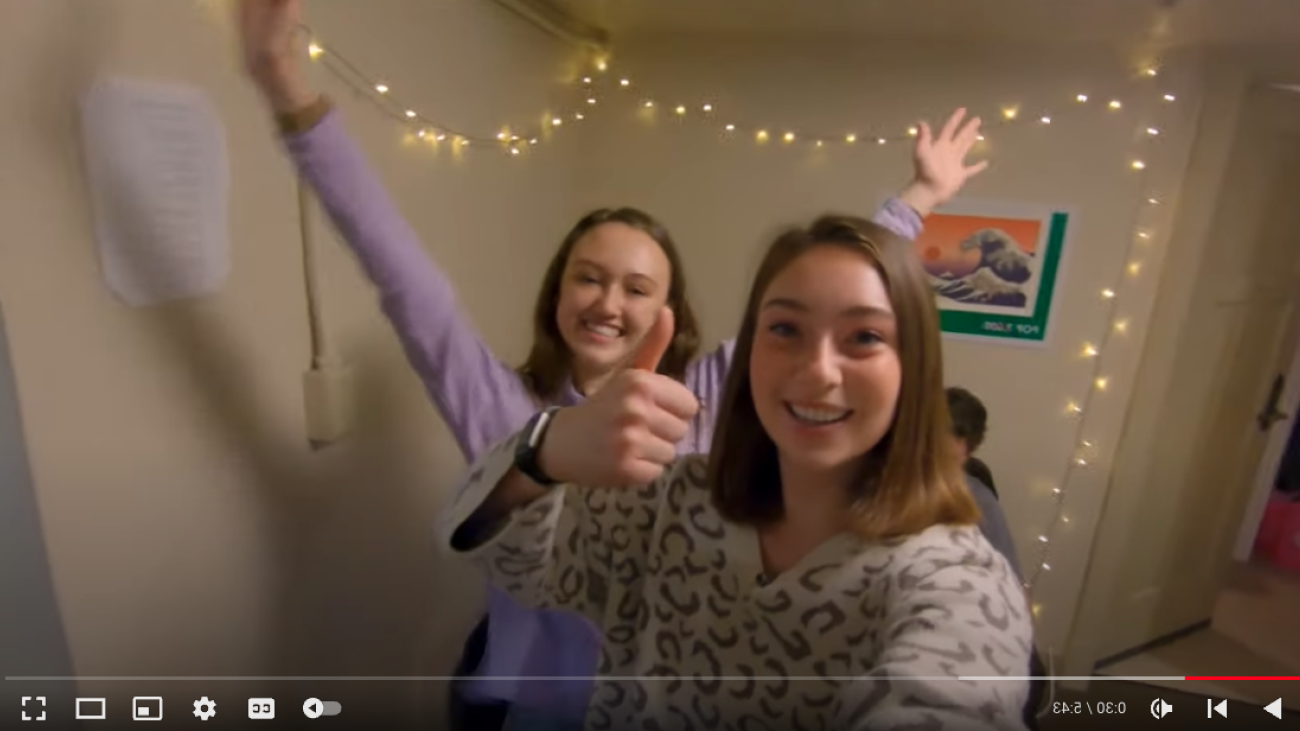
{"x":628,"y":432}
{"x":940,"y":162}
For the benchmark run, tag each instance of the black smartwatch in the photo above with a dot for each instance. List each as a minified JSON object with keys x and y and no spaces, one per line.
{"x":530,"y":446}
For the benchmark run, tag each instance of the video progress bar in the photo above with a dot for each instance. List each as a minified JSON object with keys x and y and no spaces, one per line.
{"x":737,"y":678}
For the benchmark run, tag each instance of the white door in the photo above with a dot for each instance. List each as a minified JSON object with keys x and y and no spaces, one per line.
{"x":1244,"y":325}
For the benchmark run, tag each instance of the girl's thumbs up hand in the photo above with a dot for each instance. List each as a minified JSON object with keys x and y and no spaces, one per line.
{"x":628,"y":432}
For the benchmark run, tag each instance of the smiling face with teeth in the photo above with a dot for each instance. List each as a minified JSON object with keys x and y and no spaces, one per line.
{"x":615,"y":283}
{"x":835,"y":408}
{"x":824,"y":370}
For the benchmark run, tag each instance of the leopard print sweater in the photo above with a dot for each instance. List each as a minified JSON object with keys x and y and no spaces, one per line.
{"x":906,"y":634}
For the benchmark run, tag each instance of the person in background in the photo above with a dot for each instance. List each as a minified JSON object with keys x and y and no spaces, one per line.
{"x":969,"y":423}
{"x":820,"y":567}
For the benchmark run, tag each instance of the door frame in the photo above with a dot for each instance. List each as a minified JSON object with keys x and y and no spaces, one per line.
{"x":1271,"y":458}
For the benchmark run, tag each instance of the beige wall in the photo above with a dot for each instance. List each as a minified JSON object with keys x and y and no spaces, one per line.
{"x":191,"y":530}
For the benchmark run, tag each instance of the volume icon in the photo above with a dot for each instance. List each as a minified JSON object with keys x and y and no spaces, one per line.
{"x":1159,"y":708}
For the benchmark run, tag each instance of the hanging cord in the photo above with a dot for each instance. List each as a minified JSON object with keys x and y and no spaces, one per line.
{"x":328,"y":389}
{"x":321,"y":349}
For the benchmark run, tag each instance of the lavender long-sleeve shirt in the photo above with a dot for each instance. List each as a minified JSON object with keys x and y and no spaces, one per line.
{"x":481,"y":398}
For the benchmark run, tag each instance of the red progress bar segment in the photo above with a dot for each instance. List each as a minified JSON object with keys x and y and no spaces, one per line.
{"x":1241,"y":677}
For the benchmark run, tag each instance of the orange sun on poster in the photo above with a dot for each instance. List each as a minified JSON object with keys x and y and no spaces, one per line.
{"x":931,"y":253}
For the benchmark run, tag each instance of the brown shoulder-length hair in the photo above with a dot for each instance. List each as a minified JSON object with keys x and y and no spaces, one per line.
{"x":548,"y":362}
{"x":910,"y":479}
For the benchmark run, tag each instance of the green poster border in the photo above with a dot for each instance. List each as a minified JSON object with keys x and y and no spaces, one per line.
{"x":1012,"y":327}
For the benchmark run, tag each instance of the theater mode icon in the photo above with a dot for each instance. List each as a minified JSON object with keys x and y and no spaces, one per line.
{"x":92,"y":709}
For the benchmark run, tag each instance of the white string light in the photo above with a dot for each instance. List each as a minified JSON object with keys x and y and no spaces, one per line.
{"x":1083,"y":453}
{"x":594,"y":89}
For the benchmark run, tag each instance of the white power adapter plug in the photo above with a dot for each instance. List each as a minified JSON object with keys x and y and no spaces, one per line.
{"x":330,"y":401}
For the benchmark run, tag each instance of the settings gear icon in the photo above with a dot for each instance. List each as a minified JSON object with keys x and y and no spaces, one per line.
{"x":204,"y":708}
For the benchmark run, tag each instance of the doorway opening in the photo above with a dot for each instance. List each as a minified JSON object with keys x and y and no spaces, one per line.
{"x":1220,"y":593}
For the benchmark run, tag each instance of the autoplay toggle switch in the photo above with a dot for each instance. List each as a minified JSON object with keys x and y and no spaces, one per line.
{"x":315,"y":708}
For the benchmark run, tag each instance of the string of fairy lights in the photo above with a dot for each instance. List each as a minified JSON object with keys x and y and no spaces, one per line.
{"x":1143,"y":234}
{"x":603,"y":88}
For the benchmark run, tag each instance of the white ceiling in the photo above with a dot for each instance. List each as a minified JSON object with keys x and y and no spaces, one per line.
{"x":1189,"y":21}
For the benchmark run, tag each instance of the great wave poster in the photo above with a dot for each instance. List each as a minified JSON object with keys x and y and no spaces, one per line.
{"x":994,"y":268}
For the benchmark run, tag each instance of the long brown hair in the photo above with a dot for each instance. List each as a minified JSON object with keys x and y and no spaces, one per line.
{"x":910,"y":479}
{"x":549,"y":360}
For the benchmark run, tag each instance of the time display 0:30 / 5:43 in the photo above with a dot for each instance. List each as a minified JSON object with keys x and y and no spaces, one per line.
{"x":1093,"y":708}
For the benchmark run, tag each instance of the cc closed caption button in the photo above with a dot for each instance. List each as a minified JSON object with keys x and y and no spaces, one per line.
{"x":315,"y":708}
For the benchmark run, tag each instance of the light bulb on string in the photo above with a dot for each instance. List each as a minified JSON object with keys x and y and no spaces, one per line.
{"x":1138,"y":165}
{"x":1081,"y":98}
{"x":788,"y":137}
{"x":1089,"y":350}
{"x":586,"y":79}
{"x":1009,"y":113}
{"x":1170,"y":97}
{"x":1108,"y":294}
{"x":1101,"y":383}
{"x":912,"y":131}
{"x":381,"y":88}
{"x":681,"y":110}
{"x":1153,"y":131}
{"x":880,"y":140}
{"x":1115,"y":104}
{"x":410,"y":114}
{"x":1045,"y":119}
{"x":762,"y":135}
{"x":314,"y":50}
{"x":557,"y":122}
{"x":707,"y":108}
{"x":591,"y":100}
{"x":579,"y":116}
{"x":648,"y":104}
{"x":730,"y":128}
{"x":851,"y":139}
{"x":1121,"y":326}
{"x":1134,"y":269}
{"x":624,"y":82}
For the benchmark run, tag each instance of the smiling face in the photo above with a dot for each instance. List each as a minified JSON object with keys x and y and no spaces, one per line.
{"x":615,"y":282}
{"x":824,"y":370}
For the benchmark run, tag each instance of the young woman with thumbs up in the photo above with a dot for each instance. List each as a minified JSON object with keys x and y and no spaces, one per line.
{"x":614,"y":272}
{"x":820,"y":567}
